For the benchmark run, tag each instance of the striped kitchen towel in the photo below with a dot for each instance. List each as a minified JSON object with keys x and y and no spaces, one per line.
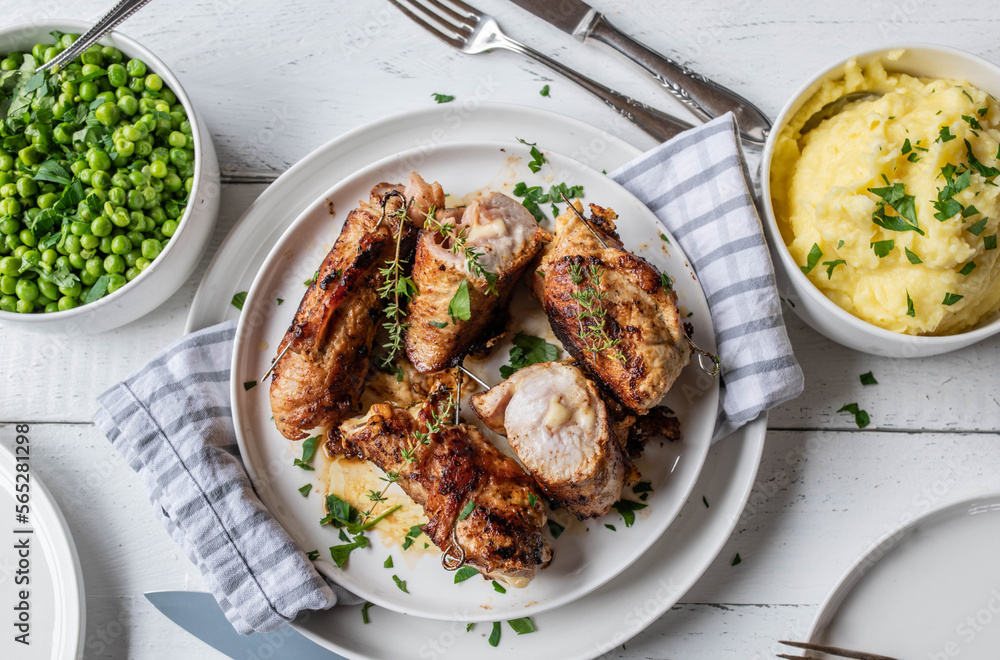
{"x":171,"y":421}
{"x":698,"y":186}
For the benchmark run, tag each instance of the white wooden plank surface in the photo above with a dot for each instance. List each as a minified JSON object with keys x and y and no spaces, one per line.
{"x":275,"y":80}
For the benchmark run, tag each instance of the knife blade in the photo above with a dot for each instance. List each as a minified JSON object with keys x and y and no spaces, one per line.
{"x":705,"y":98}
{"x":200,"y":615}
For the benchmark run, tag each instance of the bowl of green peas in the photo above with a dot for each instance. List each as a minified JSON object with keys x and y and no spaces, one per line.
{"x":109,"y":183}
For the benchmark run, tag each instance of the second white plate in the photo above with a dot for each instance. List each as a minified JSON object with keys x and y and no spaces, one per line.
{"x":583,"y":561}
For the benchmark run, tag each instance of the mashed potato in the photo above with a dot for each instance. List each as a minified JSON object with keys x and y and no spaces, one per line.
{"x":860,"y":179}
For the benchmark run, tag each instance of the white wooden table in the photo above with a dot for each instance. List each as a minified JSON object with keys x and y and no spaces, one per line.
{"x":276,"y":79}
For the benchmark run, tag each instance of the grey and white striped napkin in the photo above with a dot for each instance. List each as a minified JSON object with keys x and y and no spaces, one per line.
{"x":698,"y":186}
{"x":172,"y":422}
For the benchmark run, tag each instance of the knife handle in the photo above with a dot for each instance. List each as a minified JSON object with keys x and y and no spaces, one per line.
{"x":658,"y":124}
{"x":705,"y":98}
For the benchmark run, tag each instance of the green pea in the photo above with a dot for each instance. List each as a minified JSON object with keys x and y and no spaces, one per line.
{"x":48,"y":289}
{"x":38,"y":51}
{"x":8,"y":284}
{"x":47,"y":200}
{"x":89,"y":90}
{"x":136,"y":68}
{"x":77,"y":261}
{"x":104,"y":247}
{"x":111,"y":54}
{"x":50,"y":53}
{"x":114,"y":263}
{"x":107,"y":113}
{"x":8,"y":303}
{"x":117,"y":75}
{"x":101,"y":226}
{"x":6,"y":162}
{"x":143,"y":148}
{"x":87,"y":278}
{"x":67,"y":40}
{"x":169,"y":228}
{"x":73,"y":290}
{"x":159,"y":154}
{"x":151,"y":248}
{"x":31,"y":257}
{"x":177,"y":139}
{"x":121,"y":245}
{"x":95,"y":266}
{"x":158,"y":169}
{"x":26,"y":187}
{"x":7,"y":64}
{"x":169,"y":96}
{"x":62,"y":262}
{"x":100,"y":179}
{"x":172,"y":183}
{"x":28,"y":237}
{"x":142,"y":263}
{"x":9,"y":226}
{"x":128,"y":105}
{"x":67,"y":303}
{"x":116,"y":195}
{"x":85,"y":174}
{"x":154,"y":82}
{"x":51,"y":307}
{"x":49,"y":256}
{"x":89,"y":242}
{"x":115,"y":282}
{"x":31,"y":155}
{"x":78,"y":166}
{"x":132,"y":273}
{"x":92,"y":55}
{"x":121,"y":218}
{"x":98,"y":159}
{"x":24,"y":307}
{"x":124,"y":147}
{"x":26,"y":290}
{"x":63,"y":133}
{"x":131,"y":256}
{"x":122,"y":92}
{"x":10,"y":266}
{"x":136,"y":200}
{"x":8,"y":190}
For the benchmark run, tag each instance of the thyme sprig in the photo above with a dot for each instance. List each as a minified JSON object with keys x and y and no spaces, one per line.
{"x":397,"y":289}
{"x":591,"y":313}
{"x":460,"y":246}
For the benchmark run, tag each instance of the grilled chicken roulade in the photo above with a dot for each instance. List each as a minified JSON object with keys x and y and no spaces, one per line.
{"x":558,"y":426}
{"x":612,"y":310}
{"x":488,"y":247}
{"x":319,"y":379}
{"x":500,"y":534}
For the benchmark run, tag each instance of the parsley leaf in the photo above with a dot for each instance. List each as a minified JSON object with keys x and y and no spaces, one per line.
{"x":909,"y":306}
{"x":537,"y":158}
{"x":442,"y":98}
{"x":914,"y":259}
{"x":522,"y":626}
{"x":627,"y":509}
{"x":977,"y":228}
{"x":533,"y":196}
{"x":860,"y":416}
{"x":305,"y":490}
{"x":883,"y":248}
{"x":464,"y":573}
{"x":97,"y":291}
{"x":528,"y":350}
{"x":411,"y":536}
{"x":895,"y":196}
{"x":868,"y":379}
{"x":388,"y":562}
{"x":967,"y":268}
{"x":555,"y":528}
{"x":364,"y":612}
{"x":990,"y":242}
{"x":495,"y":635}
{"x":815,"y":254}
{"x":951,"y":298}
{"x":737,"y":560}
{"x":944,"y":135}
{"x":499,"y":588}
{"x":439,"y":324}
{"x":309,"y":448}
{"x":986,"y":172}
{"x":459,"y":309}
{"x":312,"y":555}
{"x":467,"y":510}
{"x":400,"y":583}
{"x":830,"y":265}
{"x":239,"y":299}
{"x":249,"y":385}
{"x":52,"y":171}
{"x":544,"y":91}
{"x":305,"y":466}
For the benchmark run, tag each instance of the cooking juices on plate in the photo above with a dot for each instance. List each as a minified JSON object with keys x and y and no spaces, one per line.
{"x":891,"y":206}
{"x":573,"y":427}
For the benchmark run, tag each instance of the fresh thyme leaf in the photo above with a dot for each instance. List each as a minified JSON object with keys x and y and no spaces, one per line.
{"x":544,"y":91}
{"x":312,"y":555}
{"x":528,"y":350}
{"x":967,"y":268}
{"x":914,"y":259}
{"x":388,"y":562}
{"x":464,"y":573}
{"x":309,"y":448}
{"x":986,"y":172}
{"x":522,"y":626}
{"x":439,"y":324}
{"x":627,"y":509}
{"x":951,"y":298}
{"x":909,"y":306}
{"x":815,"y":254}
{"x":305,"y":466}
{"x":895,"y":197}
{"x":860,"y":416}
{"x":737,"y":560}
{"x":830,"y":265}
{"x":555,"y":529}
{"x":495,"y":635}
{"x":459,"y":309}
{"x":304,"y":491}
{"x":883,"y":248}
{"x":591,"y":313}
{"x":977,"y":228}
{"x":537,"y":159}
{"x":364,"y":612}
{"x":499,"y":588}
{"x":400,"y":583}
{"x":868,"y":379}
{"x":990,"y":242}
{"x":467,"y":510}
{"x":249,"y":385}
{"x":443,"y":98}
{"x":944,"y":135}
{"x":611,"y":527}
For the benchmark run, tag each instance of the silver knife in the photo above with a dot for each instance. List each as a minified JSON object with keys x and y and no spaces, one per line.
{"x":705,"y":98}
{"x":200,"y":615}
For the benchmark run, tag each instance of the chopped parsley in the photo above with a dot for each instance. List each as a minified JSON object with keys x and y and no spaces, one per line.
{"x":522,"y":626}
{"x":627,"y":509}
{"x":951,"y":298}
{"x":499,"y":588}
{"x":555,"y":528}
{"x":903,"y":204}
{"x":666,"y":282}
{"x":611,"y":527}
{"x":400,"y":583}
{"x":977,"y":228}
{"x":737,"y":560}
{"x":467,"y":510}
{"x":239,"y":299}
{"x":986,"y":172}
{"x":312,"y":279}
{"x":883,"y":248}
{"x":469,"y":627}
{"x":909,"y":306}
{"x":536,"y":195}
{"x":537,"y":158}
{"x":868,"y":379}
{"x":249,"y":385}
{"x":411,"y":536}
{"x":304,"y":491}
{"x":830,"y":265}
{"x":442,"y":98}
{"x":914,"y":259}
{"x":460,"y":309}
{"x":439,"y":324}
{"x":990,"y":242}
{"x":967,"y":268}
{"x":544,"y":91}
{"x":663,"y":237}
{"x":312,"y":555}
{"x":815,"y":254}
{"x":364,"y":612}
{"x":309,"y":448}
{"x":464,"y":573}
{"x":281,"y":300}
{"x":495,"y":635}
{"x":944,"y":135}
{"x":532,"y":500}
{"x":388,"y":562}
{"x":860,"y":416}
{"x":528,"y":350}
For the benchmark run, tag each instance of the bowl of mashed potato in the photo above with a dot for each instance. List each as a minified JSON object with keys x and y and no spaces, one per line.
{"x":883,"y":210}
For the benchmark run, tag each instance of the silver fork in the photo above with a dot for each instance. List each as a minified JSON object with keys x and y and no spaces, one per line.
{"x":107,"y":23}
{"x":471,"y":31}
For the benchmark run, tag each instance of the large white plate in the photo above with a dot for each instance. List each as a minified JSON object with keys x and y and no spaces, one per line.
{"x":47,"y":571}
{"x":930,"y":589}
{"x":584,"y":559}
{"x":606,"y":617}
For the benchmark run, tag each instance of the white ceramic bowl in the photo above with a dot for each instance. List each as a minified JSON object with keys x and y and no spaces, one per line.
{"x":181,"y":254}
{"x":812,"y":306}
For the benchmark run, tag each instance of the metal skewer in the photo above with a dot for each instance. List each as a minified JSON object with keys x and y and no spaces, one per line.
{"x":274,"y":362}
{"x":473,"y":377}
{"x":585,"y":222}
{"x":702,"y":356}
{"x":458,"y":397}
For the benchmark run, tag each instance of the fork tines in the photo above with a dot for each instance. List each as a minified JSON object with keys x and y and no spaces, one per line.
{"x":454,"y":24}
{"x":829,"y":650}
